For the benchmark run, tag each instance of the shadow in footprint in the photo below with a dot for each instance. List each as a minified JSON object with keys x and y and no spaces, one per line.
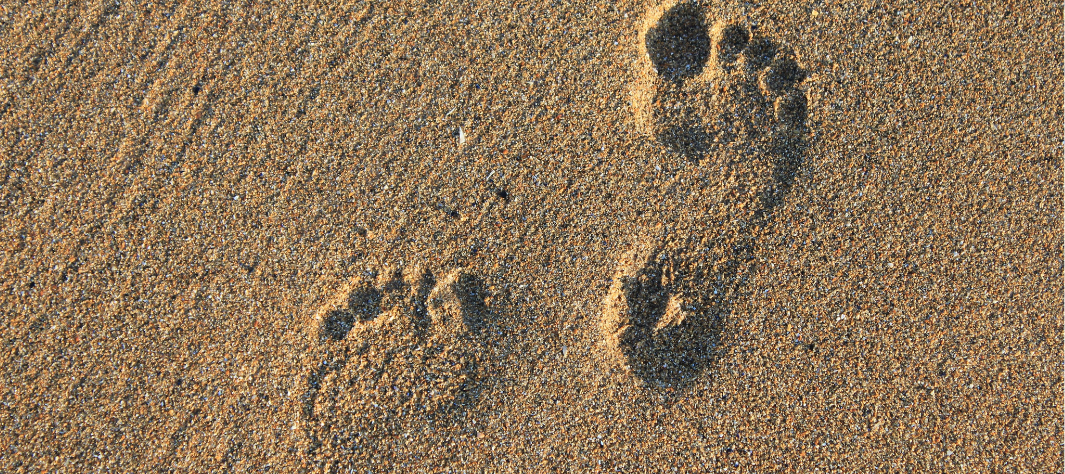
{"x":663,"y":316}
{"x":787,"y":148}
{"x":688,"y":139}
{"x":678,"y":44}
{"x":363,"y":305}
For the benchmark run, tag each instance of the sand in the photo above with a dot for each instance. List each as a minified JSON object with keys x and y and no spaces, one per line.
{"x":531,"y":236}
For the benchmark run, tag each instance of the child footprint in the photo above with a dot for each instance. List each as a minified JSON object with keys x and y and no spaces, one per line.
{"x":731,"y":104}
{"x":399,"y":355}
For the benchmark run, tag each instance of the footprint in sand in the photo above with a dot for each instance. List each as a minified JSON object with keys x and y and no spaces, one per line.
{"x":399,"y":355}
{"x":732,"y":104}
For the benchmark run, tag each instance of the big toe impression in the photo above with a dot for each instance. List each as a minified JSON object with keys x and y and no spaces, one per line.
{"x":678,"y":44}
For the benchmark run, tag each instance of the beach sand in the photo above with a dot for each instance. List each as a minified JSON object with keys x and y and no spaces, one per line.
{"x":531,"y":236}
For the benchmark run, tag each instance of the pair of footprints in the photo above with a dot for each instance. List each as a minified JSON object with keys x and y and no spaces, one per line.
{"x":401,"y":348}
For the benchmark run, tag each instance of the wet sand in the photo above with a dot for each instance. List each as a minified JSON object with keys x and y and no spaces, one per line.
{"x":525,"y":237}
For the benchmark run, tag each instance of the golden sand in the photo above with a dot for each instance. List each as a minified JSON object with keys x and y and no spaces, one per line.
{"x":531,"y":236}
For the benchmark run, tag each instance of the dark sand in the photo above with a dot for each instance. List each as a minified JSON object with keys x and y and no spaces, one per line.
{"x":191,"y":194}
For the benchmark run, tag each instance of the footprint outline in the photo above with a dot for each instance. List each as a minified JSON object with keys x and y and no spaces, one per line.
{"x":743,"y":109}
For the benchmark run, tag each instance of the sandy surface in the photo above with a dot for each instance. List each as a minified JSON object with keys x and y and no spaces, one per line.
{"x":523,"y":236}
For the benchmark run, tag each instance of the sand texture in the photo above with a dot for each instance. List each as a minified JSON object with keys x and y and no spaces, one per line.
{"x":548,"y":236}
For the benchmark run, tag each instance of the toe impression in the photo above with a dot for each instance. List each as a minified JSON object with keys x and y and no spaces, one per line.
{"x":455,"y":304}
{"x":729,"y":40}
{"x":678,"y":45}
{"x":781,"y":75}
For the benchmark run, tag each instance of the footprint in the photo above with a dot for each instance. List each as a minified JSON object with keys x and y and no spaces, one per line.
{"x":663,"y":315}
{"x":732,"y":104}
{"x":702,"y":88}
{"x":400,"y":353}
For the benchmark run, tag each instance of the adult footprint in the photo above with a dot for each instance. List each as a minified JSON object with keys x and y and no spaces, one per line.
{"x":732,"y":104}
{"x":400,"y":353}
